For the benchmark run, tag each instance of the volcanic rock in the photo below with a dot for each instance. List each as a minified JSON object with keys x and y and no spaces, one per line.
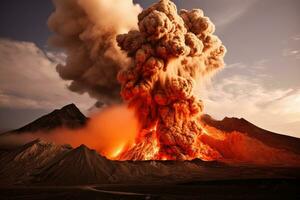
{"x":79,"y":166}
{"x":17,"y":165}
{"x":42,"y":163}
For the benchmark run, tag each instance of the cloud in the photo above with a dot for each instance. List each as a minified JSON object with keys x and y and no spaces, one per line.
{"x":293,"y":53}
{"x":232,"y":14}
{"x":296,"y":37}
{"x":245,"y":96}
{"x":28,"y":78}
{"x":292,"y":49}
{"x":233,"y":10}
{"x":236,"y":66}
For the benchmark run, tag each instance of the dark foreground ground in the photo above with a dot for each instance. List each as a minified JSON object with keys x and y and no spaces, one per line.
{"x":228,"y":189}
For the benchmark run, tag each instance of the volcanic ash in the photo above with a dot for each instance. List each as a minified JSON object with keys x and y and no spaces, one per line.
{"x":172,"y":53}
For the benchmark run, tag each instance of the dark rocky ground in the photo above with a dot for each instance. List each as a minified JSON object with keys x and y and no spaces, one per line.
{"x":229,"y":189}
{"x":41,"y":170}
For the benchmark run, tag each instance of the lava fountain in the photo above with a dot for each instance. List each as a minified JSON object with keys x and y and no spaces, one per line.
{"x":171,"y":53}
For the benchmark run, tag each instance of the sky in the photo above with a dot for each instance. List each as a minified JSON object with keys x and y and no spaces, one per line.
{"x":261,"y":80}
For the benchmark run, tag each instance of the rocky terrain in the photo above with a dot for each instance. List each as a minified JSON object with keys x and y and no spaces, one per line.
{"x":44,"y":170}
{"x":44,"y":163}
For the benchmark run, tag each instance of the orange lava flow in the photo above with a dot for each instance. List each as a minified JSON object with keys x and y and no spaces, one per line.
{"x":212,"y":144}
{"x":147,"y":147}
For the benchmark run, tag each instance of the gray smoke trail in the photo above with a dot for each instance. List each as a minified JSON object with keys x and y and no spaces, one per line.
{"x":86,"y":31}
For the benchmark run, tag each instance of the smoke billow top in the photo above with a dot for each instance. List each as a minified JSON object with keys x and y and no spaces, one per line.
{"x":171,"y":53}
{"x":86,"y":31}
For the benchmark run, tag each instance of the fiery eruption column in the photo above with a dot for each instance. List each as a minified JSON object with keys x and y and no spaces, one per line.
{"x":171,"y":53}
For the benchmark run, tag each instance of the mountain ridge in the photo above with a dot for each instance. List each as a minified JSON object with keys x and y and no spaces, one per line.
{"x":17,"y":165}
{"x":84,"y":166}
{"x":242,"y":125}
{"x":71,"y":117}
{"x":68,"y":116}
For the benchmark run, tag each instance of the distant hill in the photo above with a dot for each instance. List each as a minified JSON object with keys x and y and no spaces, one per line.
{"x":267,"y":137}
{"x":16,"y":165}
{"x":68,"y":116}
{"x":79,"y":166}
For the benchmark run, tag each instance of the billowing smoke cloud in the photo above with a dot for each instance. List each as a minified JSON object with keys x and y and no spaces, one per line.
{"x":172,"y":52}
{"x":86,"y":31}
{"x":168,"y":54}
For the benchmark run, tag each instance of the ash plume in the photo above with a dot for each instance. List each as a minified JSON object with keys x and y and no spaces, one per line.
{"x":172,"y":53}
{"x":159,"y":57}
{"x":86,"y":31}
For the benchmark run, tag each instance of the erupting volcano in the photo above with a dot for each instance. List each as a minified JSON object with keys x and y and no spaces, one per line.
{"x":156,"y":59}
{"x":141,"y":75}
{"x":171,"y":53}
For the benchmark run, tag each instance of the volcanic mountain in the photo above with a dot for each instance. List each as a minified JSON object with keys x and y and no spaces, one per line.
{"x":243,"y":126}
{"x":68,"y":116}
{"x":40,"y":163}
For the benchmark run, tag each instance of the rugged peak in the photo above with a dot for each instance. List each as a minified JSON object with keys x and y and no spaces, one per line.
{"x":83,"y":150}
{"x":79,"y":166}
{"x":36,"y":142}
{"x":235,"y":119}
{"x":68,"y":112}
{"x":68,"y":116}
{"x":87,"y":153}
{"x":228,"y":124}
{"x":72,"y":108}
{"x":83,"y":147}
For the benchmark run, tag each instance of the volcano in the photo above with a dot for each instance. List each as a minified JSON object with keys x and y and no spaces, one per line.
{"x":41,"y":164}
{"x":68,"y":116}
{"x":234,"y":139}
{"x":159,"y":140}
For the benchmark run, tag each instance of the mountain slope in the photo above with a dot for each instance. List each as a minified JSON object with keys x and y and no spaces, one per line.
{"x":41,"y":163}
{"x":69,"y":116}
{"x":271,"y":139}
{"x":16,"y":166}
{"x":79,"y":166}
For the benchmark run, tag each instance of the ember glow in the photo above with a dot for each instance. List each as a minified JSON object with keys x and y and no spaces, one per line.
{"x":172,"y":53}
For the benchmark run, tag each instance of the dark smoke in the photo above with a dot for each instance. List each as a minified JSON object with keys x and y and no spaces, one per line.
{"x":172,"y":53}
{"x":86,"y":31}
